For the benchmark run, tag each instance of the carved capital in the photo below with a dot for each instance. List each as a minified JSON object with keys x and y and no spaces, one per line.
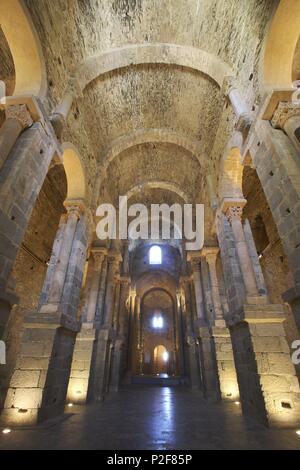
{"x":20,"y":113}
{"x":98,"y":259}
{"x":284,"y":111}
{"x":234,"y":213}
{"x":77,"y":207}
{"x":210,"y":254}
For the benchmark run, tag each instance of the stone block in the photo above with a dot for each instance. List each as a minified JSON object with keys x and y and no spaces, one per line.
{"x":25,"y":378}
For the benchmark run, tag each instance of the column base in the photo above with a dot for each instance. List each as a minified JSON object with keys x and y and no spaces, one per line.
{"x":268,"y":384}
{"x":218,"y":369}
{"x":116,"y":365}
{"x":100,"y":365}
{"x":80,"y":371}
{"x":229,"y":388}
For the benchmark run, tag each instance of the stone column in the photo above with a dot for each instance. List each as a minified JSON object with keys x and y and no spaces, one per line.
{"x":287,"y":118}
{"x":234,"y":210}
{"x":276,"y":160}
{"x":101,"y":364}
{"x":211,"y":258}
{"x":191,"y":343}
{"x":98,"y":255}
{"x":82,"y":356}
{"x":25,"y":163}
{"x":196,"y":273}
{"x":53,"y":261}
{"x":17,"y":119}
{"x":119,"y":351}
{"x":269,"y":388}
{"x":39,"y":383}
{"x":218,"y":368}
{"x":60,"y":271}
{"x":181,"y":335}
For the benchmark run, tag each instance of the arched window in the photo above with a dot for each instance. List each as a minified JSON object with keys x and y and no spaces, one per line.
{"x":155,"y":255}
{"x":157,"y":322}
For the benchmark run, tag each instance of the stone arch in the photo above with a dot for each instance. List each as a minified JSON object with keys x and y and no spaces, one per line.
{"x":142,"y":136}
{"x":25,"y":48}
{"x":280,"y":46}
{"x":232,"y":170}
{"x":155,"y":53}
{"x":75,"y":173}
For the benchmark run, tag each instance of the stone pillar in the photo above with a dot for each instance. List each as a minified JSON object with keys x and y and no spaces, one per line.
{"x":98,"y":255}
{"x":196,"y":273}
{"x":53,"y":260}
{"x":218,"y":368}
{"x":82,"y":356}
{"x":191,"y":343}
{"x":39,"y":383}
{"x":234,"y":210}
{"x":21,"y":177}
{"x":268,"y":384}
{"x":181,"y":335}
{"x":276,"y":160}
{"x":101,"y":359}
{"x":119,"y":351}
{"x":60,"y":271}
{"x":17,"y":119}
{"x":211,"y":258}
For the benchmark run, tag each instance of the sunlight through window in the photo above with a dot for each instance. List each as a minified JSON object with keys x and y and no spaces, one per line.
{"x":155,"y":255}
{"x":157,"y":322}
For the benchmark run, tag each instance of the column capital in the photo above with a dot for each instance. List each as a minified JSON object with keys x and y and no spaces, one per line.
{"x":194,"y":257}
{"x":233,"y":207}
{"x":210,"y":253}
{"x":284,"y":111}
{"x":98,"y":255}
{"x":75,"y":205}
{"x":21,"y":113}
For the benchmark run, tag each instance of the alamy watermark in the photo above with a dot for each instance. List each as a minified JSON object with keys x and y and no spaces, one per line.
{"x":296,"y":353}
{"x":161,"y":221}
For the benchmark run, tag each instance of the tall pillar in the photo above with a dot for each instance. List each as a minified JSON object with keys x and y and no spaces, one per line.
{"x":211,"y":258}
{"x":275,"y":156}
{"x":119,"y":351}
{"x":191,"y":342}
{"x":181,"y":335}
{"x":218,"y":362}
{"x":17,"y":119}
{"x":101,"y":359}
{"x":39,"y":383}
{"x":234,"y":210}
{"x":268,"y":385}
{"x":25,"y":162}
{"x":196,"y":274}
{"x":82,"y":356}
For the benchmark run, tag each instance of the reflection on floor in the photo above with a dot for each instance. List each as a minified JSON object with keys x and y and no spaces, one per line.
{"x":141,"y":417}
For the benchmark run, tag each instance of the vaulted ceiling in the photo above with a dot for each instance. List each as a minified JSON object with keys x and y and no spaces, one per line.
{"x":150,"y":121}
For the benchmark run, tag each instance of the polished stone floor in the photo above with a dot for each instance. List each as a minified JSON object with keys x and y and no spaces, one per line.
{"x":153,"y":418}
